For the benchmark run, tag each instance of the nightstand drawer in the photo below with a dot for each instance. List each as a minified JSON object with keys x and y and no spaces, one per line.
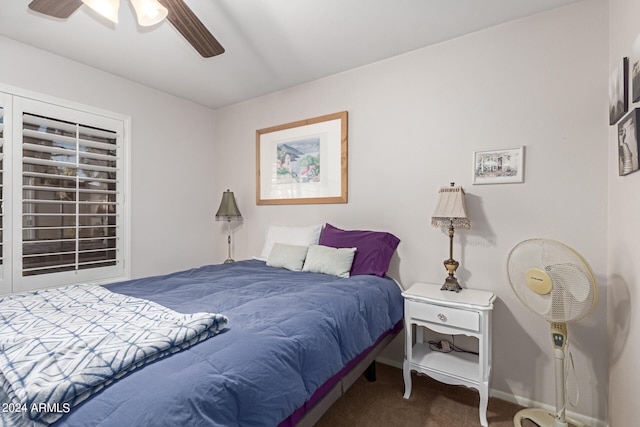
{"x":447,"y":316}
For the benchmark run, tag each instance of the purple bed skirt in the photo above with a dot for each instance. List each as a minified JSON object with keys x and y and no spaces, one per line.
{"x":297,"y":415}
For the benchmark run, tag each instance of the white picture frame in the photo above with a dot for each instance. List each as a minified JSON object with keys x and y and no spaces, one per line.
{"x":498,"y":166}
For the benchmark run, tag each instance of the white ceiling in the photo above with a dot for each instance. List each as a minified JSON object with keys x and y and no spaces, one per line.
{"x":270,"y":44}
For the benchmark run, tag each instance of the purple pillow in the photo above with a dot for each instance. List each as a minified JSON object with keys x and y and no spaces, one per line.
{"x":374,"y":248}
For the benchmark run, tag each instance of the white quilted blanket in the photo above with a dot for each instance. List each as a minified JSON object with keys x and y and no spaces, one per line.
{"x":59,"y":346}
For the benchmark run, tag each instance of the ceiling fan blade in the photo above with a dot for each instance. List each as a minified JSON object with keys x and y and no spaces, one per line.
{"x":57,"y":8}
{"x":191,"y":28}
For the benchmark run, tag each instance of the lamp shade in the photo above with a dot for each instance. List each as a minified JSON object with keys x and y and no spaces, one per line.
{"x":228,"y":209}
{"x":451,"y":210}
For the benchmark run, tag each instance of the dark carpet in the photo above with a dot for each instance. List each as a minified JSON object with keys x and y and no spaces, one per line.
{"x":432,"y":404}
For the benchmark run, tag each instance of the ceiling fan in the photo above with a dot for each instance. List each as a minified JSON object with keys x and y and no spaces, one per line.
{"x":149,"y":12}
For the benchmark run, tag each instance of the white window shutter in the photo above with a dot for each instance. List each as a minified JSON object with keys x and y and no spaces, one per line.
{"x":67,"y":227}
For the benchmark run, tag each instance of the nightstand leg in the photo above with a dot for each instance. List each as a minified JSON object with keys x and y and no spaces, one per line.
{"x":406,"y":366}
{"x":484,"y":401}
{"x":406,"y":371}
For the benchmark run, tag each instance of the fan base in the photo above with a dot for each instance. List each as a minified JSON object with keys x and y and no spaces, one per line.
{"x":532,"y":417}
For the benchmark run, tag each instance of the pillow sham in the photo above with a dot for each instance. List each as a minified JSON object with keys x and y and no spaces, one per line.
{"x":375,"y":248}
{"x":289,"y":235}
{"x":290,"y":257}
{"x":326,"y":260}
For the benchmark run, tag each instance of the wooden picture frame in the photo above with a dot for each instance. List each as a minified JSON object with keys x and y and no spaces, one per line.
{"x":303,"y":162}
{"x":498,"y":166}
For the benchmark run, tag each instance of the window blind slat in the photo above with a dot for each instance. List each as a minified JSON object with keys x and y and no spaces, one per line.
{"x":40,"y":121}
{"x":82,"y":179}
{"x":71,"y":138}
{"x":68,"y":189}
{"x":49,"y":149}
{"x":69,"y":151}
{"x":45,"y":162}
{"x":31,"y":134}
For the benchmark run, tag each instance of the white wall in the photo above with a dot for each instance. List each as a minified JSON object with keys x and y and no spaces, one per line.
{"x":171,"y":154}
{"x":624,"y":245}
{"x":414,"y":121}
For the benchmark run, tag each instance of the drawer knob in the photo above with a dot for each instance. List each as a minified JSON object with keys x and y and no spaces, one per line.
{"x":442,"y":317}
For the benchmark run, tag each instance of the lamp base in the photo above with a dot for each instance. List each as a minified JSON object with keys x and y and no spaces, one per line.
{"x":451,"y":284}
{"x":229,"y":261}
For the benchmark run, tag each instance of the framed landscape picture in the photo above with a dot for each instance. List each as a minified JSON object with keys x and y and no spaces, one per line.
{"x":303,"y":162}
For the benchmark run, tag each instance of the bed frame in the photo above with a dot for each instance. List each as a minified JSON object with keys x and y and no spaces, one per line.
{"x":324,"y":398}
{"x":308,"y":414}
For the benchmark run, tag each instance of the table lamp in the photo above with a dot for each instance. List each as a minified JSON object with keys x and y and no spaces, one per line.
{"x":451,"y":213}
{"x":228,"y":211}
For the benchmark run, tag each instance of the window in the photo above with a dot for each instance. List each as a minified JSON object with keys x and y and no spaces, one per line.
{"x":67,"y":178}
{"x":1,"y":184}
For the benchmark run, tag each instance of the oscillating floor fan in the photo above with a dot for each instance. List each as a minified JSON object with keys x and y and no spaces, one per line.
{"x":556,"y":283}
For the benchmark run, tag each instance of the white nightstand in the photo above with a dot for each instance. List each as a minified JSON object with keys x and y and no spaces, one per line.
{"x":467,"y":312}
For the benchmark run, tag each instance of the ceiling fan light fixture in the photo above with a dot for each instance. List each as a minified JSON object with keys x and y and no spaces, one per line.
{"x":106,"y":8}
{"x":149,"y":12}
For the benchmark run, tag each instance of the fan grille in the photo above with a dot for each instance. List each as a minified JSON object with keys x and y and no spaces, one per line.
{"x":573,"y":293}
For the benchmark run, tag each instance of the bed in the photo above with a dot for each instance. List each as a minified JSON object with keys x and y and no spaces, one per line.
{"x":291,"y":342}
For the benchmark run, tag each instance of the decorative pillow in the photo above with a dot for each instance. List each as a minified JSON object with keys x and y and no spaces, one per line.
{"x":326,"y":260}
{"x":290,"y":257}
{"x":375,"y":248}
{"x":289,"y":235}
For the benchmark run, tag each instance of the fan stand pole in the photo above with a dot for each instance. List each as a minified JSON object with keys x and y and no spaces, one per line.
{"x":560,"y":420}
{"x":542,"y":417}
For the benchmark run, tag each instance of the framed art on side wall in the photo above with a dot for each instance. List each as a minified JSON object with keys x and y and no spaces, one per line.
{"x":635,"y":71}
{"x":303,"y":162}
{"x":498,"y":166}
{"x":619,"y":92}
{"x":628,"y":143}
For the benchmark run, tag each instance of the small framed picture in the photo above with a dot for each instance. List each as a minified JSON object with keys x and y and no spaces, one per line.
{"x":628,"y":143}
{"x":619,"y":92}
{"x":498,"y":166}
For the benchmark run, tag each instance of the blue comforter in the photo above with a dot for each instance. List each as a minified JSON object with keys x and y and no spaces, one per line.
{"x":288,"y":333}
{"x":62,"y":345}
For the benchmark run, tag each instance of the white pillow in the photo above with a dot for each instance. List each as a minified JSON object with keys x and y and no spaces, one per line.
{"x":326,"y":260}
{"x":290,"y":235}
{"x":290,"y":257}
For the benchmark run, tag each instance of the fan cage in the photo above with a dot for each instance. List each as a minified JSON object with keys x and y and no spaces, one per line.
{"x":574,"y":291}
